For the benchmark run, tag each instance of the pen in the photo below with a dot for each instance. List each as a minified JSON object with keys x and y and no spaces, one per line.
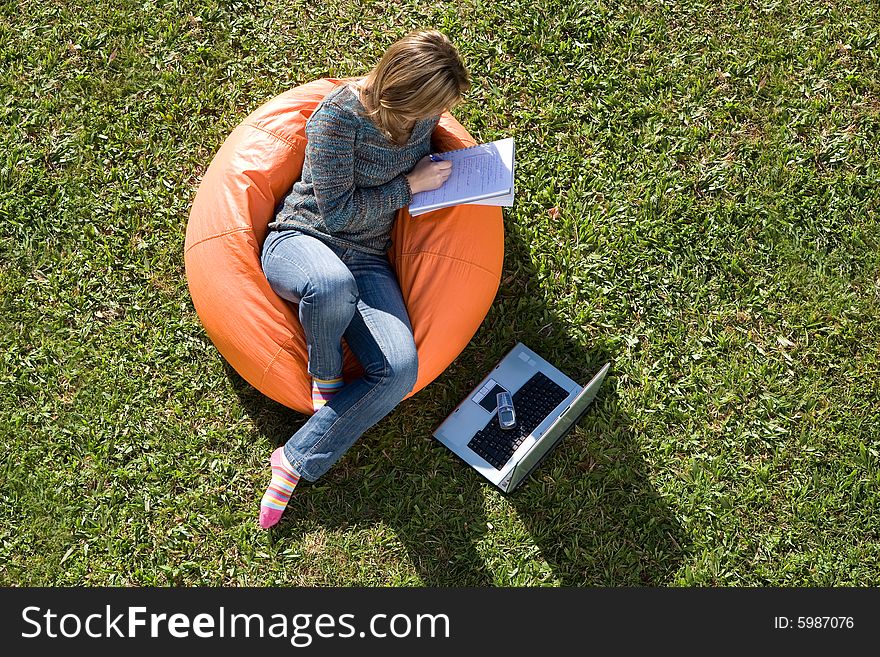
{"x":436,"y":158}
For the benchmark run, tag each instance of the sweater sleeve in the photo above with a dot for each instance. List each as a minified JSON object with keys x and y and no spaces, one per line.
{"x":330,"y":134}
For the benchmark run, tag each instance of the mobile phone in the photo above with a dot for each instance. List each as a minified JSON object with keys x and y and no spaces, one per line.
{"x":506,"y":414}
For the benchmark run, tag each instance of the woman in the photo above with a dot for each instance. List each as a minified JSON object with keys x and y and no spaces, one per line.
{"x":367,"y":154}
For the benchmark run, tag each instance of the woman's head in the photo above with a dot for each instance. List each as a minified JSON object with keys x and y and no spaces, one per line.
{"x":419,"y":76}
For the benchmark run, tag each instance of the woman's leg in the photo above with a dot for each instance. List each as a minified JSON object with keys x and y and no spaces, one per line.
{"x":380,"y":335}
{"x":303,"y":270}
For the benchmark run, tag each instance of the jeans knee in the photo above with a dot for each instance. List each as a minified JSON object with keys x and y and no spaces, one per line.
{"x":333,"y":286}
{"x":403,"y":368}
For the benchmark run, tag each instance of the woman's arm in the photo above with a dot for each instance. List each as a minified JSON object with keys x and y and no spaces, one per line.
{"x":330,"y":133}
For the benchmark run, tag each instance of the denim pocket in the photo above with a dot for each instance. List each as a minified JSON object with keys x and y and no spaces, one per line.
{"x":273,"y":238}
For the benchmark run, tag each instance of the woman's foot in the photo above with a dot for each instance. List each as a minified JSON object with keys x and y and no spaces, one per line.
{"x":323,"y":391}
{"x":284,"y":480}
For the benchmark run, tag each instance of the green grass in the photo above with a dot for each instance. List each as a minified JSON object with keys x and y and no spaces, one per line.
{"x":697,"y":201}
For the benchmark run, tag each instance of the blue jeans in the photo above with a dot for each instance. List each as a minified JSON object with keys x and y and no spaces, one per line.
{"x":342,"y":293}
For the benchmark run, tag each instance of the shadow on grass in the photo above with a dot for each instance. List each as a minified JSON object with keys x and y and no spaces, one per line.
{"x":593,"y":511}
{"x":590,"y":506}
{"x":392,"y":476}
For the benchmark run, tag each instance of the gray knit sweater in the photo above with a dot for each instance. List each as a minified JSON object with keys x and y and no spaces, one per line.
{"x":352,"y":182}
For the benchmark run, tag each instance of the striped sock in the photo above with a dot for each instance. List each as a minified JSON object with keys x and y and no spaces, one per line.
{"x":323,"y":391}
{"x":284,"y":480}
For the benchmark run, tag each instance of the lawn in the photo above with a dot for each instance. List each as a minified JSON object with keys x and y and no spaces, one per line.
{"x":698,"y":188}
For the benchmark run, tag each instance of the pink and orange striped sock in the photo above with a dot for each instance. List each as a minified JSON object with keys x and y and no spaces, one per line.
{"x":284,"y":480}
{"x":323,"y":391}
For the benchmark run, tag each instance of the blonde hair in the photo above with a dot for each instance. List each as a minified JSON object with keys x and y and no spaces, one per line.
{"x":419,"y":76}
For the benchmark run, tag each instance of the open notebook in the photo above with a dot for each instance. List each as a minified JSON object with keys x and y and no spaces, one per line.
{"x":481,"y":174}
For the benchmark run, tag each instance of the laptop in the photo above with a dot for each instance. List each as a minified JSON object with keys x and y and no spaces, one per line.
{"x":547,"y":405}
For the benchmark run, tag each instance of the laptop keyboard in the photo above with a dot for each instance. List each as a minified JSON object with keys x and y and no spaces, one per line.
{"x":533,"y":402}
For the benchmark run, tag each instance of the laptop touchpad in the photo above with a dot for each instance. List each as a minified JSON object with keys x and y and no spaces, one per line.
{"x":487,"y":396}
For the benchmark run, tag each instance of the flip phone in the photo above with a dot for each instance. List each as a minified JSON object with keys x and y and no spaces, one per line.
{"x":506,"y":413}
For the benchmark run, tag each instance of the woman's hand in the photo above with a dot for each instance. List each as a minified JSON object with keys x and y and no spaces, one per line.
{"x":428,"y":175}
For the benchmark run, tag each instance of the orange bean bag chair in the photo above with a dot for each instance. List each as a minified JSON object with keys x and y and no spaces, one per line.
{"x":448,"y":262}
